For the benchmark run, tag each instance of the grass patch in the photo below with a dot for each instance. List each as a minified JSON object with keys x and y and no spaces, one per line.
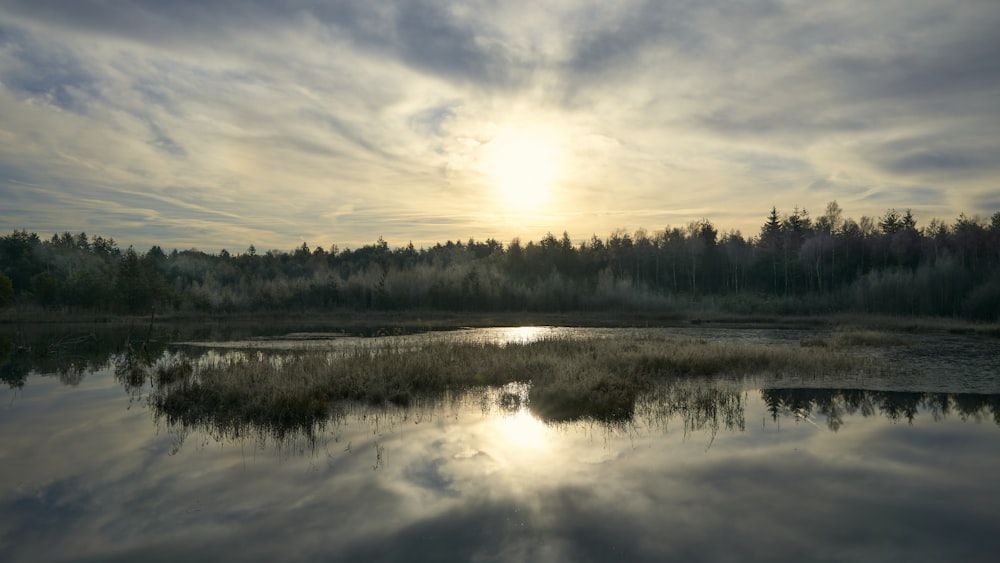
{"x":598,"y":378}
{"x":873,"y":338}
{"x":916,"y":325}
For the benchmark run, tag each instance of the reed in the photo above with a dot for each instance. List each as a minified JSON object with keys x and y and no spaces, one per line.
{"x":569,"y":379}
{"x":864,"y":337}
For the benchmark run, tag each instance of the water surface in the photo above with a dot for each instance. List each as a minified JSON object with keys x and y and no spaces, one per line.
{"x":705,"y":470}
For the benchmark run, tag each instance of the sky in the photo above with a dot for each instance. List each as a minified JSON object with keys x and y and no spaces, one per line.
{"x":221,"y":124}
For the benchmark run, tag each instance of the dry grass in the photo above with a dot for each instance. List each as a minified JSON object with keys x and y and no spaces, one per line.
{"x":598,"y":378}
{"x":922,"y":325}
{"x":863,"y":337}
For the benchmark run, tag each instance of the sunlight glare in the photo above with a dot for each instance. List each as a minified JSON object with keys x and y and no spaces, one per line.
{"x":522,"y":334}
{"x":524,"y":163}
{"x":523,"y":430}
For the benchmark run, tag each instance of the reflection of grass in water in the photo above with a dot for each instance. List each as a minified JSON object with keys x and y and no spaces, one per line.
{"x":713,"y":407}
{"x":596,"y":378}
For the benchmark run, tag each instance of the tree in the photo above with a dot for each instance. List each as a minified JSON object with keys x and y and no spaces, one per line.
{"x":156,"y":284}
{"x":771,"y":239}
{"x":995,"y":237}
{"x":139,"y":284}
{"x":695,"y":248}
{"x":890,"y":223}
{"x":43,"y":288}
{"x":969,"y":235}
{"x":17,"y":257}
{"x":737,"y":252}
{"x":882,"y":264}
{"x":6,"y":290}
{"x":830,"y":225}
{"x":82,"y":242}
{"x":831,"y":220}
{"x":104,"y":247}
{"x":904,"y":244}
{"x":130,"y":283}
{"x":811,"y":255}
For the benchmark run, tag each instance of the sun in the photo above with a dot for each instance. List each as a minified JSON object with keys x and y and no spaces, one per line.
{"x":524,"y":164}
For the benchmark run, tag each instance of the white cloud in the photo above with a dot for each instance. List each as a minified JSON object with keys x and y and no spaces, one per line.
{"x":277,"y":116}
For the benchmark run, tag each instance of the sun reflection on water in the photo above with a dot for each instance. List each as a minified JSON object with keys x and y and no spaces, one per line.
{"x":523,"y":430}
{"x":522,"y":334}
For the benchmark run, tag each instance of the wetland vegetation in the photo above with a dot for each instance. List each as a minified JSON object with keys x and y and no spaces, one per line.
{"x":599,"y":378}
{"x":310,"y":377}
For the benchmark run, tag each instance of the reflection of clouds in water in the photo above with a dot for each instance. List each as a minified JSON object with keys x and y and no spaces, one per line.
{"x":461,"y":482}
{"x":523,"y":430}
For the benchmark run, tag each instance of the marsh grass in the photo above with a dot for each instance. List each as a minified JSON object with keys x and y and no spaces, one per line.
{"x":864,"y":337}
{"x":915,"y":325}
{"x":569,"y":379}
{"x":848,"y":337}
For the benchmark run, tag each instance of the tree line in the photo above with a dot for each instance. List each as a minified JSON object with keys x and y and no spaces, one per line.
{"x":796,"y":264}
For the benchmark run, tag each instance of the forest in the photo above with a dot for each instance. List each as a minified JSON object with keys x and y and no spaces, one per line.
{"x":795,"y":264}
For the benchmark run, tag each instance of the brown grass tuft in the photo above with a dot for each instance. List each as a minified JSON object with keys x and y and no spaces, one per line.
{"x":569,"y":379}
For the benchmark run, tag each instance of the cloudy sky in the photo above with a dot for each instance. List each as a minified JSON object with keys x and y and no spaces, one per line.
{"x":217,"y":124}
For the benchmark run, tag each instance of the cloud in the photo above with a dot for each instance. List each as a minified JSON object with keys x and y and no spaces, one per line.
{"x":937,"y":162}
{"x":910,"y":196}
{"x":990,"y":202}
{"x":281,"y":112}
{"x":937,"y":154}
{"x":432,"y":120}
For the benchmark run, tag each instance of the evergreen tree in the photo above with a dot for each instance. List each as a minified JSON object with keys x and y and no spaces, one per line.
{"x":6,"y":291}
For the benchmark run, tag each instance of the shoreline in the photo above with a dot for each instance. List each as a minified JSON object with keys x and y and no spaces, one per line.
{"x":429,"y":319}
{"x":433,"y":320}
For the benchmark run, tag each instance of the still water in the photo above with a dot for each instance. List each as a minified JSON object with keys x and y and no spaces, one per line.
{"x":764,"y":470}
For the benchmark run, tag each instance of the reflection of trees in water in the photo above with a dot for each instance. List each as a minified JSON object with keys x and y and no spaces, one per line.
{"x":71,"y":356}
{"x":70,"y":353}
{"x":835,"y":404}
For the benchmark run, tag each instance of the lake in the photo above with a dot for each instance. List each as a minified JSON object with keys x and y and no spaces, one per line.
{"x":901,"y":466}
